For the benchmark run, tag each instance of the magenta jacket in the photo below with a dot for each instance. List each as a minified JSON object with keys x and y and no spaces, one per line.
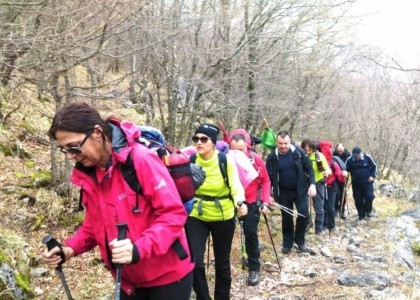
{"x":109,"y":200}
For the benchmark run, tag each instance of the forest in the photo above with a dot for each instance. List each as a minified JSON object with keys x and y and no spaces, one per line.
{"x":296,"y":63}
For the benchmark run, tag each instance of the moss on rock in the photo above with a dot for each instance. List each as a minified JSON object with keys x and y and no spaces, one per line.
{"x":37,"y":223}
{"x":41,"y":179}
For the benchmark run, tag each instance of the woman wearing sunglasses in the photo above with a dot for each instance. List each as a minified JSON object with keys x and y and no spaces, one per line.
{"x":213,"y":213}
{"x":152,"y":269}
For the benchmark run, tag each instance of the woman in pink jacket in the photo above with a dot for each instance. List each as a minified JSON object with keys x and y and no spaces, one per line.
{"x":153,"y":267}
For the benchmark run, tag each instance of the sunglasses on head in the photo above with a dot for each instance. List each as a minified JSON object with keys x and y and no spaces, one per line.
{"x":76,"y":149}
{"x":202,"y":139}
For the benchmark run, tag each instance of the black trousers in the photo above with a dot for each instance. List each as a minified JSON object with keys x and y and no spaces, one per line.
{"x":222,"y":236}
{"x":251,"y":221}
{"x":363,"y":198}
{"x":179,"y":290}
{"x":338,"y":205}
{"x":291,"y":234}
{"x":329,"y":206}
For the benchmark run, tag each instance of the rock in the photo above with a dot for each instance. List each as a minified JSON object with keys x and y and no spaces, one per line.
{"x":339,"y":260}
{"x":326,"y":252}
{"x":386,"y":294}
{"x":311,"y":273}
{"x":352,"y":248}
{"x":38,"y":272}
{"x":378,"y":280}
{"x":38,"y":291}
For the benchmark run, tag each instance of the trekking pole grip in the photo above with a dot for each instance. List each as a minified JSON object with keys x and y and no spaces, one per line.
{"x":122,"y":231}
{"x":122,"y":235}
{"x":51,"y":243}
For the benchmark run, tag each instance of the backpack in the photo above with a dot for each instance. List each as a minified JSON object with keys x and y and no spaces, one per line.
{"x":187,"y":178}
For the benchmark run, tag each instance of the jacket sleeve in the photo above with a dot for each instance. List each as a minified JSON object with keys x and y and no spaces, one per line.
{"x":270,"y":171}
{"x":337,"y":173}
{"x":373,"y":166}
{"x":307,"y":168}
{"x":236,"y":189}
{"x":169,"y":214}
{"x":84,"y":240}
{"x":265,"y":179}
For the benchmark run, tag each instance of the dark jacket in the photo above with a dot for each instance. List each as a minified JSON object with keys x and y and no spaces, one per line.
{"x":362,"y":169}
{"x":303,"y":166}
{"x":344,"y":156}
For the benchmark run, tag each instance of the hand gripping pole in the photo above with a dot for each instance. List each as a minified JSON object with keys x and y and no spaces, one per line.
{"x":51,"y":243}
{"x":122,"y":235}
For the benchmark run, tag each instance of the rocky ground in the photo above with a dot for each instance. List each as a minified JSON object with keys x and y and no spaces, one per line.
{"x":359,"y":260}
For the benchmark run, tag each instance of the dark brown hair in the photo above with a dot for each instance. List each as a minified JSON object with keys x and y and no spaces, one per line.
{"x":310,"y":143}
{"x":78,"y":117}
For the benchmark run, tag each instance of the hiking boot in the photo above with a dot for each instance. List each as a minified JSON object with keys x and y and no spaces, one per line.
{"x":369,"y":215}
{"x":286,"y":250}
{"x":304,"y":249}
{"x":253,"y":278}
{"x":309,"y":225}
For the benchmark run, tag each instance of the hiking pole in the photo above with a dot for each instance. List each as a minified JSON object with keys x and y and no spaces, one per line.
{"x":272,"y":242}
{"x":287,"y":210}
{"x":241,"y":225}
{"x":310,"y":222}
{"x":122,"y":234}
{"x":208,"y":251}
{"x":326,"y":198}
{"x":342,"y":201}
{"x":51,"y":243}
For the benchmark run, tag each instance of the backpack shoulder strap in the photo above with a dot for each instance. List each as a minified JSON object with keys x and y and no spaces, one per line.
{"x":129,"y":173}
{"x":193,"y":158}
{"x":223,"y":167}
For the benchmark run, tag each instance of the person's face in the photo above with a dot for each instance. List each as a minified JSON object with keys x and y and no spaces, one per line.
{"x":203,"y":144}
{"x":238,"y":145}
{"x":283,"y":144}
{"x":340,"y":150}
{"x":356,"y":156}
{"x":85,"y":148}
{"x":308,"y":150}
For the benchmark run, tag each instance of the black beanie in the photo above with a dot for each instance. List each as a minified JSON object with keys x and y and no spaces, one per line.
{"x":210,"y":130}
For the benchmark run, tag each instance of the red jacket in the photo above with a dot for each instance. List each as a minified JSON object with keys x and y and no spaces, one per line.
{"x":109,"y":200}
{"x":336,"y":174}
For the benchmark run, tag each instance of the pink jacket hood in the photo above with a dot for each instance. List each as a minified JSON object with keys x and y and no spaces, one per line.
{"x":245,"y":134}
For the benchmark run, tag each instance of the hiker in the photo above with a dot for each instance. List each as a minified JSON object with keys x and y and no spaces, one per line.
{"x":214,"y":212}
{"x":321,"y":172}
{"x":337,"y":176}
{"x":342,"y":153}
{"x":257,"y":195}
{"x":150,"y":255}
{"x":290,"y":172}
{"x":363,"y":171}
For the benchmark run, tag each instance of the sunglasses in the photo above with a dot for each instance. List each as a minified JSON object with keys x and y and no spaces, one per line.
{"x":202,"y":139}
{"x":75,"y":150}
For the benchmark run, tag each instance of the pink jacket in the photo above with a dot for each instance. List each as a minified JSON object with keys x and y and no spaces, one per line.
{"x":109,"y":200}
{"x":263,"y":180}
